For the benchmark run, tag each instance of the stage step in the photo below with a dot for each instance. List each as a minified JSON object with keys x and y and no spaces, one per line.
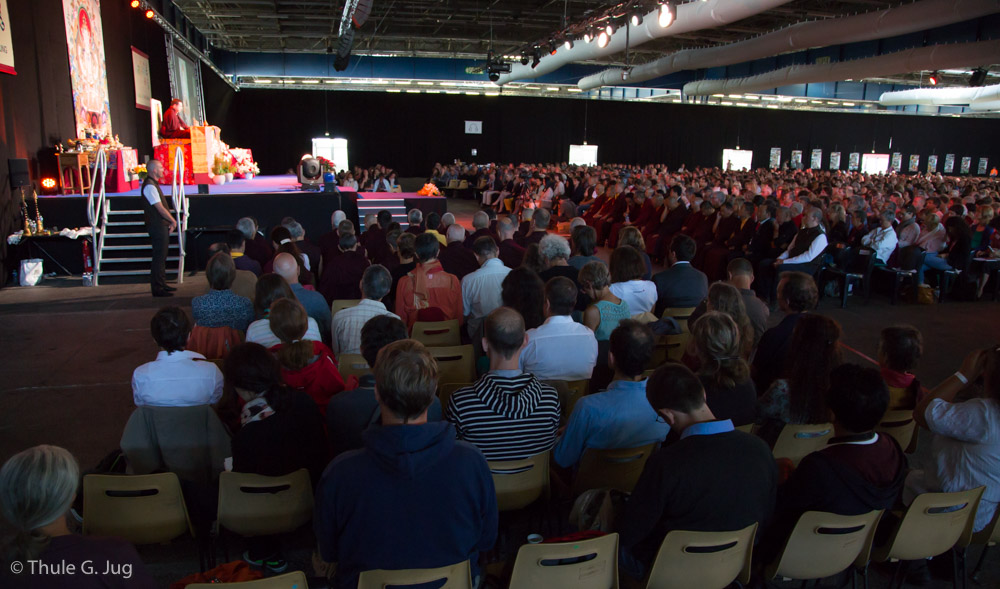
{"x":133,"y":272}
{"x":124,"y":223}
{"x":135,"y":247}
{"x":126,"y":213}
{"x":145,"y":260}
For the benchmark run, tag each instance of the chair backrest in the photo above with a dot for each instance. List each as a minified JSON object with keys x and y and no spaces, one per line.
{"x":748,"y":428}
{"x":213,"y":342}
{"x":910,"y":258}
{"x":143,"y":509}
{"x":570,"y":391}
{"x":453,"y":183}
{"x":933,"y":524}
{"x":587,"y":564}
{"x":824,"y":544}
{"x":437,"y":333}
{"x":679,"y":314}
{"x":617,"y":468}
{"x":257,"y":505}
{"x":292,"y":580}
{"x":796,"y":441}
{"x":397,"y":188}
{"x":340,"y":304}
{"x":456,"y":576}
{"x":447,"y":389}
{"x":463,"y":184}
{"x":352,"y":365}
{"x":900,"y":425}
{"x":668,"y":348}
{"x":703,"y":560}
{"x":520,"y":483}
{"x":455,"y":363}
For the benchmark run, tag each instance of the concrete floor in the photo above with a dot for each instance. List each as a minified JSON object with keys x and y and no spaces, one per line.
{"x":69,"y":352}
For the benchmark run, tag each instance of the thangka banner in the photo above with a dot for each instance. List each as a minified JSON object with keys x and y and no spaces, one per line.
{"x":914,"y":163}
{"x":834,"y":160}
{"x":816,"y":161}
{"x":854,"y":161}
{"x":949,"y":163}
{"x":897,"y":162}
{"x":775,"y":161}
{"x":932,"y":164}
{"x":966,"y":164}
{"x":85,"y":38}
{"x":6,"y":45}
{"x":983,"y":166}
{"x":797,"y":159}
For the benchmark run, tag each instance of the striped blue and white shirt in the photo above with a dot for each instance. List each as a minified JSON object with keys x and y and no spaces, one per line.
{"x":507,"y":414}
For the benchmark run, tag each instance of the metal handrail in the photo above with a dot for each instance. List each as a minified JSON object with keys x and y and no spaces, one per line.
{"x":180,"y":209}
{"x":100,"y":207}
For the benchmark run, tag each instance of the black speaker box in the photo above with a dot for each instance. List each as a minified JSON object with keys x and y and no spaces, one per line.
{"x":18,"y":173}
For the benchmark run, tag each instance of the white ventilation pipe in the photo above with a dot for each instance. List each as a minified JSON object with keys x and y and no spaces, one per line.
{"x":901,"y":20}
{"x":935,"y":57}
{"x":692,"y":16}
{"x":985,"y":106}
{"x":941,"y":96}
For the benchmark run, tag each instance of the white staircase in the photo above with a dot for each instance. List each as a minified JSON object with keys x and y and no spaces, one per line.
{"x":371,"y":206}
{"x":121,"y":243}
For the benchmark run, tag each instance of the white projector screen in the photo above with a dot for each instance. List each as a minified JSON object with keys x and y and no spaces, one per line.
{"x":334,"y":150}
{"x":583,"y":155}
{"x":740,"y":159}
{"x":874,"y":163}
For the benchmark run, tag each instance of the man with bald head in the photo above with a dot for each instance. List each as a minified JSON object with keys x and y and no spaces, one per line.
{"x":507,"y":414}
{"x":456,"y":258}
{"x":314,"y":303}
{"x":481,"y":228}
{"x":511,"y":253}
{"x":160,"y":225}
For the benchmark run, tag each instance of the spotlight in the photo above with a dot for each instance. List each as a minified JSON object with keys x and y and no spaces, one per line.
{"x":552,"y":47}
{"x":48,"y":183}
{"x":524,"y":58}
{"x":150,"y":14}
{"x":667,"y":14}
{"x":134,"y":4}
{"x":625,"y":73}
{"x":494,"y":77}
{"x":588,"y":36}
{"x":603,"y":39}
{"x":635,"y":18}
{"x":536,"y":57}
{"x":933,"y":79}
{"x":978,"y":77}
{"x":569,"y":42}
{"x":610,"y":29}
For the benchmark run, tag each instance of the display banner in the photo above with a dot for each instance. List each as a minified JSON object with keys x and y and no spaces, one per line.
{"x":87,"y":70}
{"x":854,"y":161}
{"x":140,"y":70}
{"x":797,"y":159}
{"x":775,"y":161}
{"x":834,"y":160}
{"x":949,"y":163}
{"x":897,"y":162}
{"x":914,"y":163}
{"x":816,"y":161}
{"x":6,"y":44}
{"x":966,"y":164}
{"x":982,"y":166}
{"x":932,"y":164}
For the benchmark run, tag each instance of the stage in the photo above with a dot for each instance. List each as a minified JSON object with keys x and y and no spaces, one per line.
{"x":268,"y":199}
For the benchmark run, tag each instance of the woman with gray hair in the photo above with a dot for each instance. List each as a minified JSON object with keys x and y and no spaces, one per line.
{"x":37,"y":488}
{"x":555,"y":250}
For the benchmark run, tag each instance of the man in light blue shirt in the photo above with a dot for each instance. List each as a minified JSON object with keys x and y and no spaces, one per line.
{"x":620,"y":417}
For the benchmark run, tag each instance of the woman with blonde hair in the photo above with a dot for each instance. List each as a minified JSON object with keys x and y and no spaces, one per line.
{"x":725,"y":374}
{"x":726,"y":298}
{"x":37,"y":488}
{"x":631,"y":235}
{"x":306,"y":365}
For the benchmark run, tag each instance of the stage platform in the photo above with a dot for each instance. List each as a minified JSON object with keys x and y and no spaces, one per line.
{"x":268,"y":199}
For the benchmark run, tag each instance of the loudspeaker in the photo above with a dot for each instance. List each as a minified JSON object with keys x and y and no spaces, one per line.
{"x":203,"y":189}
{"x":18,"y":173}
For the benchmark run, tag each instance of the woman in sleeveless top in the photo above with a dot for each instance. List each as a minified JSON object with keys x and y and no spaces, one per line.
{"x":604,"y":315}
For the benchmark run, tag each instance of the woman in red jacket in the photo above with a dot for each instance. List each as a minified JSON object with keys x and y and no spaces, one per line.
{"x":306,"y":365}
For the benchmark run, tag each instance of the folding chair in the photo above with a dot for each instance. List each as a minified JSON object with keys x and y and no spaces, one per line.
{"x":340,"y":304}
{"x":825,"y":544}
{"x":900,"y":425}
{"x":570,"y":391}
{"x":858,"y":272}
{"x":257,"y":505}
{"x":933,"y":524}
{"x":292,"y":580}
{"x":911,"y":258}
{"x":447,"y":389}
{"x":437,"y":333}
{"x":616,"y":468}
{"x":455,"y":363}
{"x":668,"y":348}
{"x":702,"y":560}
{"x":987,"y":537}
{"x":588,"y":564}
{"x":456,"y":576}
{"x":520,"y":483}
{"x":680,"y":315}
{"x":353,"y":365}
{"x":796,"y":441}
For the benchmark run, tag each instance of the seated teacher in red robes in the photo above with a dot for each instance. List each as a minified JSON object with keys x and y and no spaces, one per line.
{"x":173,"y":126}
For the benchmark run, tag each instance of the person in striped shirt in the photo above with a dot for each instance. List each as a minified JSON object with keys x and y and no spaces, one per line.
{"x":507,"y":414}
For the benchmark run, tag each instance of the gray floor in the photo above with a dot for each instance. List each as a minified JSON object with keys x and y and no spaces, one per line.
{"x":69,"y":352}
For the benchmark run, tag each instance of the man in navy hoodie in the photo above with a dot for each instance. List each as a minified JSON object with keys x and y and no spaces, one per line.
{"x":414,"y":496}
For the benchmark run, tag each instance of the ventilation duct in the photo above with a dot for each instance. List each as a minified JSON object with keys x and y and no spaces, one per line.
{"x":985,"y":106}
{"x":901,"y":20}
{"x":942,"y":96}
{"x":936,"y":57}
{"x":692,"y":16}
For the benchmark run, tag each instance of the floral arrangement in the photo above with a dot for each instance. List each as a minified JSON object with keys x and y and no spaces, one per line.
{"x":242,"y":164}
{"x":140,"y":171}
{"x":429,"y":190}
{"x":221,"y":165}
{"x":327,"y":165}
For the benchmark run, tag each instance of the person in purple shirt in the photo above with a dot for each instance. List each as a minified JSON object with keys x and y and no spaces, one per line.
{"x":37,"y":488}
{"x":342,"y":277}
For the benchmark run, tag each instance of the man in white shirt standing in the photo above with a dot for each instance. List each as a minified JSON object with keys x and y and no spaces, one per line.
{"x":560,"y":348}
{"x":177,"y":378}
{"x":481,"y":290}
{"x":347,"y":323}
{"x":160,"y":224}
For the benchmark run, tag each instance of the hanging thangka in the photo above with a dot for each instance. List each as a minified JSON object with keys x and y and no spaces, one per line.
{"x":85,"y":38}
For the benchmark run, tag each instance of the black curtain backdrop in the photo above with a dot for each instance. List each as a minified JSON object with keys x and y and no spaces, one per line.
{"x":37,"y":103}
{"x":411,"y":132}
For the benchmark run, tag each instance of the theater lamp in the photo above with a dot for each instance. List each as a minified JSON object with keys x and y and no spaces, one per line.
{"x":310,"y":173}
{"x":667,"y":15}
{"x":134,"y":3}
{"x":150,"y":14}
{"x":48,"y":185}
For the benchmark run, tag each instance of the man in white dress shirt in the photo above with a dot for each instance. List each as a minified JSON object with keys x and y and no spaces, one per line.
{"x":177,"y":378}
{"x":347,"y":323}
{"x":882,"y":240}
{"x":560,"y":348}
{"x":481,"y":290}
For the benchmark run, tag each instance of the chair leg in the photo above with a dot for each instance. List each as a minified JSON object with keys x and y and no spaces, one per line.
{"x":843,"y":292}
{"x":897,"y":576}
{"x":895,"y":289}
{"x":954,"y":569}
{"x":864,"y":577}
{"x":979,"y":563}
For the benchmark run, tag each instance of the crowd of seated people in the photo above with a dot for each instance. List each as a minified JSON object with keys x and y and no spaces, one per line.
{"x":377,"y":178}
{"x":546,"y":308}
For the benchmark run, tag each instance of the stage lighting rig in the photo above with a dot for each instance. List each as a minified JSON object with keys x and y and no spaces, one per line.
{"x":668,"y":13}
{"x":497,"y":66}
